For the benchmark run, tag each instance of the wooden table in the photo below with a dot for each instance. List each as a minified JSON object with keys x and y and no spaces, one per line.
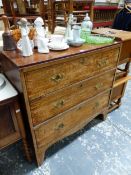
{"x":124,"y":36}
{"x":63,"y":90}
{"x":125,"y":57}
{"x":11,"y":122}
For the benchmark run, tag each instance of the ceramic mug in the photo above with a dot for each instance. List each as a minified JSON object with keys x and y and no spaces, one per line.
{"x":57,"y":38}
{"x":57,"y":42}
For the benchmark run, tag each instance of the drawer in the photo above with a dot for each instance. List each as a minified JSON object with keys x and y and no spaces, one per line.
{"x":63,"y":99}
{"x":61,"y":125}
{"x":48,"y":79}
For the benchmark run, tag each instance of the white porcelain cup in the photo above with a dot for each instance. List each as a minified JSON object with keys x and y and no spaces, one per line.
{"x":57,"y":38}
{"x":57,"y":42}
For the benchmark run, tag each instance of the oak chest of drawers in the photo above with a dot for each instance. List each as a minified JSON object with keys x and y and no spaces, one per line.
{"x":62,"y":91}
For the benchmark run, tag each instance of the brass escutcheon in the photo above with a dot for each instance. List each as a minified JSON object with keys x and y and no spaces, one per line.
{"x":59,"y":103}
{"x":103,"y":62}
{"x":60,"y":126}
{"x":82,"y":60}
{"x":98,"y":86}
{"x":57,"y":77}
{"x":96,"y":105}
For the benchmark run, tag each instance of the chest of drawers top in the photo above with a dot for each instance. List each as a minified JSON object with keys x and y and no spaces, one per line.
{"x":22,"y":62}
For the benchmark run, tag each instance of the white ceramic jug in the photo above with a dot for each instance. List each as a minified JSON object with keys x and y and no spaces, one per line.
{"x":76,"y":33}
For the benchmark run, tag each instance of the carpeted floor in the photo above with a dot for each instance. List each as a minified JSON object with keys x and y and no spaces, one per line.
{"x":101,"y":148}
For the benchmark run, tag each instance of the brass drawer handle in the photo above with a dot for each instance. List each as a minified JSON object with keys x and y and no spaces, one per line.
{"x":60,"y":126}
{"x":79,"y":108}
{"x":106,"y":62}
{"x":99,"y":86}
{"x":81,"y":85}
{"x":82,"y":60}
{"x":57,"y":77}
{"x":59,"y":103}
{"x":103,"y":63}
{"x":97,"y":104}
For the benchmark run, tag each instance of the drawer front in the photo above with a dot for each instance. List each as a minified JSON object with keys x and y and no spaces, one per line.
{"x":59,"y":101}
{"x":48,"y":79}
{"x":59,"y":127}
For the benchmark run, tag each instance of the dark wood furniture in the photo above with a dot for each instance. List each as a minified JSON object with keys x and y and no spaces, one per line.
{"x":15,"y":9}
{"x":61,"y":9}
{"x":11,"y":123}
{"x":104,"y":15}
{"x":62,"y":91}
{"x":122,"y":72}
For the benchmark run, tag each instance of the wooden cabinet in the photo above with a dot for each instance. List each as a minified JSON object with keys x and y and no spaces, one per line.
{"x":62,"y":91}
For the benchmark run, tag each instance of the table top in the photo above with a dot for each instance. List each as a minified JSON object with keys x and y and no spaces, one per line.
{"x":124,"y":35}
{"x":19,"y":61}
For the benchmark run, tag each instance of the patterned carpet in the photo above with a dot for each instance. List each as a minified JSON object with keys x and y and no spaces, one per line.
{"x":101,"y":148}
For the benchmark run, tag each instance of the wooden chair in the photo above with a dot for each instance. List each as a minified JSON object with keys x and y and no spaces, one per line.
{"x":61,"y":9}
{"x":15,"y":9}
{"x":104,"y":15}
